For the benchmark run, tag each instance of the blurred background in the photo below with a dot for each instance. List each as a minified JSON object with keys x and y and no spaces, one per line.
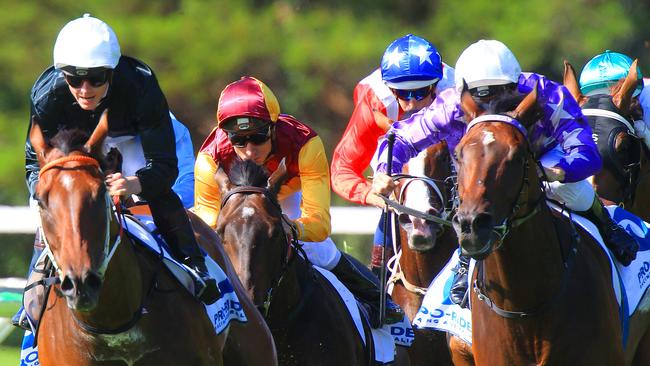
{"x":311,"y":53}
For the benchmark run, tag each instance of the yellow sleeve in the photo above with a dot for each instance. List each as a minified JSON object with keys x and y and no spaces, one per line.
{"x":315,"y":222}
{"x":207,"y":197}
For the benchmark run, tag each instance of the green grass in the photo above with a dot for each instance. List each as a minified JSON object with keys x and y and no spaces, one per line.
{"x":9,"y":356}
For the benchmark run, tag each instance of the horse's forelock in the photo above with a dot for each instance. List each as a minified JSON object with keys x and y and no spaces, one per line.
{"x":505,"y":103}
{"x":70,"y":140}
{"x":248,"y":173}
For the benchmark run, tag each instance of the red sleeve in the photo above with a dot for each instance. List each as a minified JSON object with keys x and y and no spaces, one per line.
{"x":357,"y":146}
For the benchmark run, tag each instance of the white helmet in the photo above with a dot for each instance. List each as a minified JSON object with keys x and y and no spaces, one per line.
{"x":86,"y":42}
{"x":486,"y":63}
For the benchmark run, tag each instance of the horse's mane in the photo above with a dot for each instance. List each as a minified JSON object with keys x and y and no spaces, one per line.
{"x":248,"y":173}
{"x":70,"y":140}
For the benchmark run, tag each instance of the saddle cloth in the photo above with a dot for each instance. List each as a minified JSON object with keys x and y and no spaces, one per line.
{"x":629,"y":283}
{"x":142,"y":230}
{"x":384,"y":338}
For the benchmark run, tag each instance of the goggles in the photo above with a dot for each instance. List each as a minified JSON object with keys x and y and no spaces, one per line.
{"x":408,"y":94}
{"x":95,"y":79}
{"x":256,"y":138}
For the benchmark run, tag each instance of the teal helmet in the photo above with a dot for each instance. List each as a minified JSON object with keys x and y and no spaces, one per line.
{"x":605,"y":70}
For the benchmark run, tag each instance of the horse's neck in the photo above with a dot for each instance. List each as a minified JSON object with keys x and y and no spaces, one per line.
{"x":529,"y":266}
{"x":420,"y":268}
{"x":290,"y":291}
{"x":641,"y":204}
{"x":122,"y":289}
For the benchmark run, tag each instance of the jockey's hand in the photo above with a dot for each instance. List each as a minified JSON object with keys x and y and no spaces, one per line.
{"x":554,"y":174}
{"x":382,"y":184}
{"x":382,"y":120}
{"x":374,"y":200}
{"x":289,"y":227}
{"x":119,"y":185}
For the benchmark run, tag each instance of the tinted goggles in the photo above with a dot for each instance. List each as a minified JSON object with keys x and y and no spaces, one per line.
{"x":417,"y":94}
{"x":95,"y":79}
{"x":255,"y":138}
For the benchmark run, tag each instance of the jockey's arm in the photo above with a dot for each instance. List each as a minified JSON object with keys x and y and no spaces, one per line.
{"x":158,"y":144}
{"x":572,"y":132}
{"x":207,"y":197}
{"x":184,"y":184}
{"x":353,"y":154}
{"x":314,"y":224}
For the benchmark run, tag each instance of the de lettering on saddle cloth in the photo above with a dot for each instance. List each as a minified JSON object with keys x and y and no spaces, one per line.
{"x":615,"y":117}
{"x":118,"y":306}
{"x":537,"y":277}
{"x":310,"y":322}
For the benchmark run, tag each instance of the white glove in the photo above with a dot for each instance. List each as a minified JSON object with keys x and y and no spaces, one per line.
{"x":642,"y":130}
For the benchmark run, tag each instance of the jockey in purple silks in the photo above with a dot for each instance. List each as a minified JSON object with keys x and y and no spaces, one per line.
{"x":561,"y":139}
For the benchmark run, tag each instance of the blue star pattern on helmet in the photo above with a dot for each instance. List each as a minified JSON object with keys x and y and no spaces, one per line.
{"x":411,"y":62}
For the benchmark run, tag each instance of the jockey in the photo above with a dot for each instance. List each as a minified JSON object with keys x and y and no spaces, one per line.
{"x":89,"y":76}
{"x":184,"y":184}
{"x":561,"y":138}
{"x":410,"y":77}
{"x":604,"y":71}
{"x":250,"y":127}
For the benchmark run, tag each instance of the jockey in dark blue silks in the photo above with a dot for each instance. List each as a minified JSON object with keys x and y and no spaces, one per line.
{"x":89,"y":76}
{"x":561,"y":139}
{"x":604,"y":71}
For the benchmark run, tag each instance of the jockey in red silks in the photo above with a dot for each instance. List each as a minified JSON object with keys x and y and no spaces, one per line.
{"x":561,"y":139}
{"x":410,"y":77}
{"x":251,"y":127}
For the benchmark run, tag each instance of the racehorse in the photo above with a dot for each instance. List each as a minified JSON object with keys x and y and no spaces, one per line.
{"x":426,"y":245}
{"x":625,"y":177}
{"x":116,"y":303}
{"x":310,"y":324}
{"x":542,"y":291}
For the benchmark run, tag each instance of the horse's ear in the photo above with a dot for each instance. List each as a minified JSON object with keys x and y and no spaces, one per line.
{"x":277,"y":178}
{"x":521,"y":113}
{"x":571,"y":83}
{"x":94,"y":143}
{"x":622,"y":98}
{"x":41,"y":147}
{"x":223,"y":181}
{"x":468,"y":105}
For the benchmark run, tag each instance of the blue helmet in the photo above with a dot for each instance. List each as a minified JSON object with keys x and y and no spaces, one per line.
{"x":605,"y":70}
{"x":411,"y":62}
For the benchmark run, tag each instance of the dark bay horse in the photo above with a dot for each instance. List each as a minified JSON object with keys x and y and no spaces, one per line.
{"x":116,"y":303}
{"x":426,"y":245}
{"x":625,"y":177}
{"x":542,"y":291}
{"x":310,"y":324}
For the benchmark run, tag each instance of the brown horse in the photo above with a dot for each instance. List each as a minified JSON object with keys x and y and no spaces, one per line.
{"x":542,"y":291}
{"x":310,"y":324}
{"x":426,"y":246}
{"x":625,"y":177}
{"x":116,"y":303}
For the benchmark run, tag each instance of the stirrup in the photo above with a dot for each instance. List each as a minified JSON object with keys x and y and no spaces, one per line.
{"x":20,"y":319}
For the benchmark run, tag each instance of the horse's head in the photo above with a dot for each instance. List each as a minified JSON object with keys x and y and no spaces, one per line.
{"x":495,"y":171}
{"x":250,"y":225}
{"x":425,"y":195}
{"x":74,"y":210}
{"x":610,"y":117}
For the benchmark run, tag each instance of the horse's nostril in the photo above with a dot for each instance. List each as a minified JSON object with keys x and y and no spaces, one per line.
{"x":482,"y":220}
{"x":67,"y":285}
{"x":404,"y":219}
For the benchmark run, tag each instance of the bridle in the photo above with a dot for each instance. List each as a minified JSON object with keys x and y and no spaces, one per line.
{"x":287,"y":256}
{"x":511,"y":222}
{"x":109,"y":250}
{"x":112,"y":211}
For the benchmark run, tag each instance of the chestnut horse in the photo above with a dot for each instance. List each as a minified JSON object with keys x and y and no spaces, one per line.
{"x":625,"y":177}
{"x":542,"y":291}
{"x":116,"y":303}
{"x":309,"y":322}
{"x":426,"y":245}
